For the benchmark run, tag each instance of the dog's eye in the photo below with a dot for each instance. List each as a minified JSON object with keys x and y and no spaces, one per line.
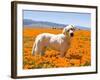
{"x":72,"y":29}
{"x":68,"y":30}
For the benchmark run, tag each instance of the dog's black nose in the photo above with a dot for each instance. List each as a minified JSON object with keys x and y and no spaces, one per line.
{"x":71,"y":34}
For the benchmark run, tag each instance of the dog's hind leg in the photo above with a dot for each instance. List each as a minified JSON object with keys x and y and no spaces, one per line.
{"x":33,"y":48}
{"x":36,"y":48}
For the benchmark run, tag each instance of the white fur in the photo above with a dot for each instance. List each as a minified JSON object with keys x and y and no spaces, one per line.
{"x":59,"y":42}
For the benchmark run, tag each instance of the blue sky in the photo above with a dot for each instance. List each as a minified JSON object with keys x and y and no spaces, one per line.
{"x":79,"y":19}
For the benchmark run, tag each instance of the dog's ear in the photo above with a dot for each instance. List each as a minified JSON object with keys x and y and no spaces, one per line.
{"x":64,"y":32}
{"x":74,"y":28}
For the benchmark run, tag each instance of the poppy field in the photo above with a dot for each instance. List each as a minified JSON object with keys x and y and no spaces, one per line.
{"x":79,"y":53}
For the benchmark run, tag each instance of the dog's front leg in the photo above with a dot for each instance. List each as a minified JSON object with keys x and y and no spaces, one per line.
{"x":62,"y":54}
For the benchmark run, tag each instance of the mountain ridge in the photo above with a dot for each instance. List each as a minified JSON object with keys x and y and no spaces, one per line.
{"x":45,"y":24}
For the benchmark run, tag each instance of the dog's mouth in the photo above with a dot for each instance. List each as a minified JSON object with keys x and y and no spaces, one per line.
{"x":71,"y":34}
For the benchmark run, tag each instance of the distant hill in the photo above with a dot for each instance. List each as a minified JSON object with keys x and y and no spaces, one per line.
{"x":45,"y":24}
{"x":31,"y":23}
{"x":27,"y":22}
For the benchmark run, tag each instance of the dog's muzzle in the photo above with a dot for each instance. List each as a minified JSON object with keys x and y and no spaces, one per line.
{"x":71,"y":34}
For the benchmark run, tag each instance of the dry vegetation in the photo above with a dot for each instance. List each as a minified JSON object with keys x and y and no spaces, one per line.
{"x":78,"y":54}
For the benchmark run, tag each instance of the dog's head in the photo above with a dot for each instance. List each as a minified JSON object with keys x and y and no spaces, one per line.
{"x":69,"y":30}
